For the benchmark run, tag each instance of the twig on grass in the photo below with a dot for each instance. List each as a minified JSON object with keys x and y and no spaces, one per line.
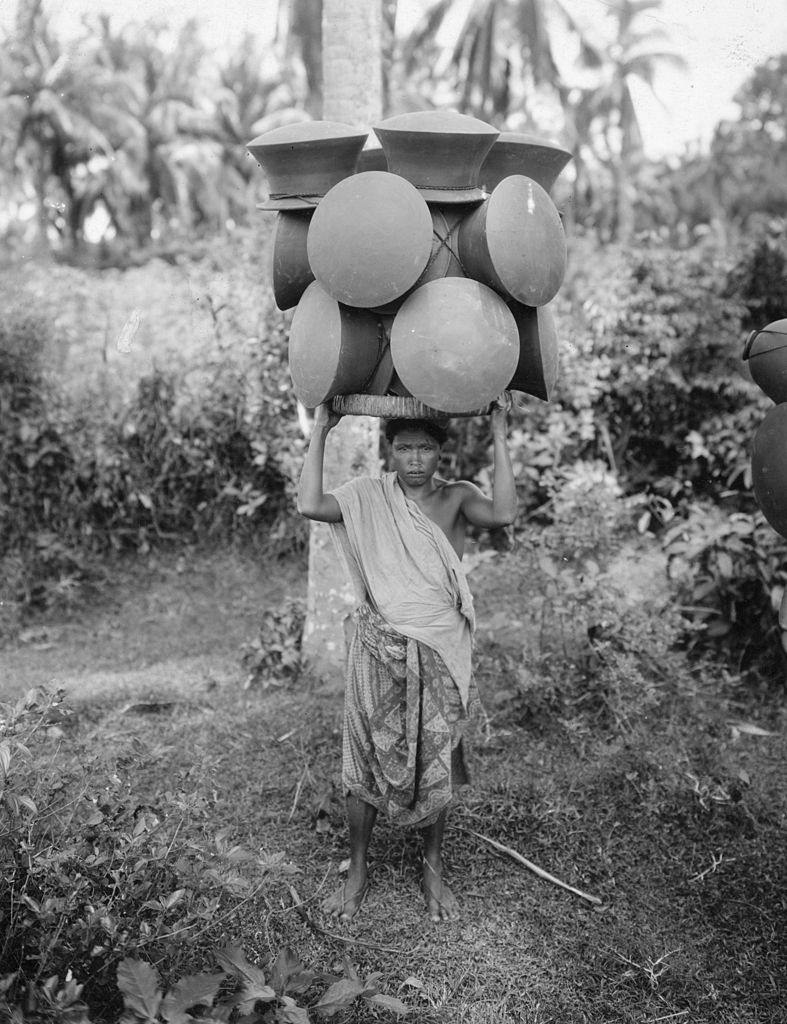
{"x":298,"y":789}
{"x":527,"y":863}
{"x":298,"y":907}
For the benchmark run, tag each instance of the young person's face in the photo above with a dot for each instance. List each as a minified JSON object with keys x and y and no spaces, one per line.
{"x":414,"y":456}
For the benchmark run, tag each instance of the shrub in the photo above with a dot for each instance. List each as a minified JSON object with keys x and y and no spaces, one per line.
{"x":98,"y":884}
{"x":731,"y":571}
{"x":207,"y":452}
{"x":274,"y":656}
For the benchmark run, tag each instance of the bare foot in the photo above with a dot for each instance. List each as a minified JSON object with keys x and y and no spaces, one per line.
{"x":441,"y":904}
{"x":346,"y":901}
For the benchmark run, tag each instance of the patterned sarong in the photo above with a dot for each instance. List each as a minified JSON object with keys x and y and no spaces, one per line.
{"x":403,"y":724}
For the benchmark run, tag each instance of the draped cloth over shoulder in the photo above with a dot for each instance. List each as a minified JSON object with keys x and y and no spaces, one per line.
{"x":409,"y":679}
{"x":404,"y":566}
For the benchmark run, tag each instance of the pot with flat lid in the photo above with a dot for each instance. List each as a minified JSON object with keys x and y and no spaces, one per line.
{"x":303,"y":161}
{"x":522,"y":153}
{"x":438,"y":151}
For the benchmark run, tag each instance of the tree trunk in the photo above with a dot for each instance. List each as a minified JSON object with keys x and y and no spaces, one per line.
{"x":352,"y":93}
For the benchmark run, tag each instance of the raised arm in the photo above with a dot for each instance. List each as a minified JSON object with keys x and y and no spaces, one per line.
{"x":312,"y":500}
{"x":500,"y":510}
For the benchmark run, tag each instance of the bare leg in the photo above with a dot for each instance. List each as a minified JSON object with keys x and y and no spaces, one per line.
{"x":440,"y":901}
{"x":346,"y":901}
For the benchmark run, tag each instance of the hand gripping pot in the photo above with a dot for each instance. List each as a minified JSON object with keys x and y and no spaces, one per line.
{"x":537,"y":369}
{"x":514,"y":242}
{"x":522,"y":153}
{"x":769,"y":468}
{"x":454,"y":344}
{"x":370,"y":239}
{"x":333,"y":349}
{"x":439,"y":151}
{"x":766,"y":352}
{"x":303,"y":161}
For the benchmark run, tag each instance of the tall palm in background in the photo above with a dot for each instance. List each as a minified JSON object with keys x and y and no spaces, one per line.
{"x":59,"y":110}
{"x":604,"y":114}
{"x":487,"y":57}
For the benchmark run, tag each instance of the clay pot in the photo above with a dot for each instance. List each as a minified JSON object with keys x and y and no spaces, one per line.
{"x":439,"y":151}
{"x":303,"y":161}
{"x":536,"y":371}
{"x":291,"y":271}
{"x":370,"y":239}
{"x":454,"y":344}
{"x":372,"y":159}
{"x":443,"y":259}
{"x":769,"y":468}
{"x":333,"y":349}
{"x":766,"y":352}
{"x":514,"y":242}
{"x":522,"y":153}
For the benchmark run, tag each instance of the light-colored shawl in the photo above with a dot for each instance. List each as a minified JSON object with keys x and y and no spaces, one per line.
{"x":403,"y":564}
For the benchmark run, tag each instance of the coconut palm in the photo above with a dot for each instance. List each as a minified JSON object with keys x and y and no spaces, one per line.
{"x":352,"y":93}
{"x":168,"y":156}
{"x":255,"y":93}
{"x":605,"y":110}
{"x":486,"y":57}
{"x":61,"y":104}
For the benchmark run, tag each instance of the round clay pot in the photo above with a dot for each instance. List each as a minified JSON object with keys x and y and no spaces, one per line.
{"x":454,"y":344}
{"x":291,"y":272}
{"x":333,"y":349}
{"x":514,"y":242}
{"x":536,"y":371}
{"x":443,"y":259}
{"x":769,"y":468}
{"x":766,"y":352}
{"x":370,"y":239}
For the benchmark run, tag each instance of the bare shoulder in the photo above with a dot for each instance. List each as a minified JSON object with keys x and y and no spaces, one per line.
{"x":458,"y":490}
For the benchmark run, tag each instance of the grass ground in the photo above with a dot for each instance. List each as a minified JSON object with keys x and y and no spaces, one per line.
{"x":677,"y":826}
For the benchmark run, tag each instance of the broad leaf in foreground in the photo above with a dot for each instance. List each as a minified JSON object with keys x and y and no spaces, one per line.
{"x":139,"y":984}
{"x":255,"y":986}
{"x":193,"y":990}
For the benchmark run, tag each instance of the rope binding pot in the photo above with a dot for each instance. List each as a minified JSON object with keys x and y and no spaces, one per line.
{"x":394,"y":407}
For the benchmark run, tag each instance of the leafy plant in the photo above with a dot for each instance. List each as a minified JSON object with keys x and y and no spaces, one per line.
{"x":731,"y":573}
{"x":274,"y":656}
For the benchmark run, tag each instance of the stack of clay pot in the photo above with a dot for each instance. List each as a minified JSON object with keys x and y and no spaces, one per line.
{"x":766,"y":352}
{"x":421,"y":269}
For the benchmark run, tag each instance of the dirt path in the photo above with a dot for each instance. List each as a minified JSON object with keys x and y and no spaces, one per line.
{"x":168,"y":625}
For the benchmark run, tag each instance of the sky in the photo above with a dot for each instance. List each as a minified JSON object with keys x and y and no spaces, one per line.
{"x":722,"y":41}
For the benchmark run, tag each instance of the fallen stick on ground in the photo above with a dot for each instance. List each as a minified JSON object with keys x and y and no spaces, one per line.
{"x":527,"y":863}
{"x":300,"y":910}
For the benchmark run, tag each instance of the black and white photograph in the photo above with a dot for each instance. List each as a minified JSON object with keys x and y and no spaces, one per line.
{"x":393,"y":511}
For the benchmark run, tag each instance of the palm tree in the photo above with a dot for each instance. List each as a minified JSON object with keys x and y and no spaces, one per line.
{"x":255,"y":94}
{"x":300,"y":32}
{"x":60,"y":103}
{"x":352,"y":93}
{"x":605,"y":112}
{"x":487,"y":57}
{"x":168,"y":154}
